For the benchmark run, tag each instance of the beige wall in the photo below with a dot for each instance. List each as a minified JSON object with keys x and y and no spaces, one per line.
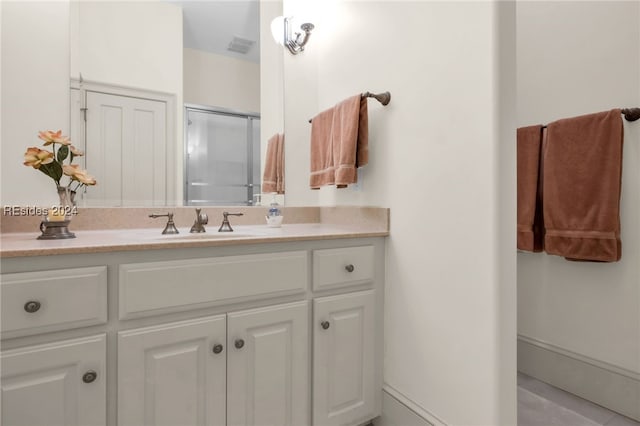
{"x":221,"y":81}
{"x":35,"y":93}
{"x":576,"y":58}
{"x":442,"y":158}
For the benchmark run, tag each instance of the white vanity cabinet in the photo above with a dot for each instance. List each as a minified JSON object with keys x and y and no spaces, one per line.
{"x":173,"y":374}
{"x":286,"y":334}
{"x":61,"y":383}
{"x":268,"y":366}
{"x":344,"y":347}
{"x":196,"y":373}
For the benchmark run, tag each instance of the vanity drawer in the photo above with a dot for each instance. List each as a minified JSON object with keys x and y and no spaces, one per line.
{"x":160,"y":287}
{"x":342,"y":267}
{"x":44,"y":301}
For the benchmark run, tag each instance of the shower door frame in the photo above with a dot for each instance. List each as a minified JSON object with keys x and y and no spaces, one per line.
{"x":249,"y":116}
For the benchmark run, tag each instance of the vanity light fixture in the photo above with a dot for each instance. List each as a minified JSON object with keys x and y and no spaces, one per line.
{"x":281,"y":31}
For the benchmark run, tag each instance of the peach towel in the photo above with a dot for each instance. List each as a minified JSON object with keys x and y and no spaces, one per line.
{"x":339,"y":143}
{"x":582,"y":172}
{"x":530,"y":226}
{"x":350,"y":139}
{"x":273,"y":177}
{"x":322,"y":170}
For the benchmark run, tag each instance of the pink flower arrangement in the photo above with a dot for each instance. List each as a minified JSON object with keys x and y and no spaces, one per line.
{"x":51,"y":163}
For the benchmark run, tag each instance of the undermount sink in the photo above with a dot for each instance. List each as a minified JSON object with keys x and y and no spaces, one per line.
{"x":209,"y":236}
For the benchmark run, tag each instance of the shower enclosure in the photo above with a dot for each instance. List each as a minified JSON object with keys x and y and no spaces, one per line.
{"x":222,"y":158}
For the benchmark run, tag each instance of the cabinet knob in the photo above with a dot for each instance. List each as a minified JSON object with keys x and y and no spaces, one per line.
{"x":32,"y":306}
{"x":350,"y":268}
{"x":325,"y":324}
{"x":217,"y":348}
{"x":239,"y":343}
{"x":90,"y":376}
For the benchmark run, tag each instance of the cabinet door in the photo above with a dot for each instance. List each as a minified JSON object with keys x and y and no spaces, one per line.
{"x":173,"y":374}
{"x":57,"y":384}
{"x":343,"y":359}
{"x":269,"y":366}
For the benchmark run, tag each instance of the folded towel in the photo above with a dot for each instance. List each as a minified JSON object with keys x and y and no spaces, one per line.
{"x":273,"y":177}
{"x":582,"y":173}
{"x":322,"y":170}
{"x":530,"y":223}
{"x":350,"y":139}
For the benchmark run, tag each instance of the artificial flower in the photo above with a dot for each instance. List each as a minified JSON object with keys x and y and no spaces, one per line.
{"x":83,"y":177}
{"x":35,"y":157}
{"x":75,"y":151}
{"x":70,"y":169}
{"x":52,"y":163}
{"x":49,"y":137}
{"x":78,"y":174}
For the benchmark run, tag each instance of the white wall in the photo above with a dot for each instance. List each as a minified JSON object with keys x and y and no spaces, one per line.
{"x":132,"y":44}
{"x":442,"y":158}
{"x":35,"y":93}
{"x":576,"y":58}
{"x":271,"y":83}
{"x":221,"y":81}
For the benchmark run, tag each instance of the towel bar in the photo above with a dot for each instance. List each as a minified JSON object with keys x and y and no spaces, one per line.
{"x":630,"y":114}
{"x":384,"y":98}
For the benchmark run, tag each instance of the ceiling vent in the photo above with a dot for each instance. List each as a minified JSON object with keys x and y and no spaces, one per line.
{"x":240,"y":45}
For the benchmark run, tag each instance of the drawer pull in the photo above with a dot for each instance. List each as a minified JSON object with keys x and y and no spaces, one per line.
{"x":32,"y":306}
{"x":325,"y":324}
{"x":350,"y":268}
{"x":239,"y":343}
{"x":217,"y":348}
{"x":90,"y":376}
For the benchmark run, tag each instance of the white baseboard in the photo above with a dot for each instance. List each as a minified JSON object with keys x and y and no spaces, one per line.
{"x":398,"y":410}
{"x":610,"y":386}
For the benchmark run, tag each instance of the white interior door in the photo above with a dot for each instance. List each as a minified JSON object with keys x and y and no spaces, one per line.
{"x":173,"y":374}
{"x":46,"y":385}
{"x":268,"y":366}
{"x":126,"y":150}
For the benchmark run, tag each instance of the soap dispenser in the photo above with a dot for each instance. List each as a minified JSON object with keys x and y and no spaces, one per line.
{"x":274,"y":217}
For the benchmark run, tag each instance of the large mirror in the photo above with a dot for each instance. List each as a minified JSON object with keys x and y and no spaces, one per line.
{"x":173,"y":102}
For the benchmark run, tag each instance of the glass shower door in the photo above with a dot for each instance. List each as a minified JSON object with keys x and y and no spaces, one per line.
{"x":220,"y":158}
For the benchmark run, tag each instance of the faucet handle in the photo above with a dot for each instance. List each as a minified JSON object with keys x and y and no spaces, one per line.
{"x":170,"y":228}
{"x":225,"y":214}
{"x":201,"y":220}
{"x":226,"y":226}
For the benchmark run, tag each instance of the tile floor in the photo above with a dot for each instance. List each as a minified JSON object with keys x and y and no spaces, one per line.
{"x":540,"y":404}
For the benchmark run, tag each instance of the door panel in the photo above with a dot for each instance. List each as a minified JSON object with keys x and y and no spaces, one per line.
{"x":170,"y":374}
{"x":43,"y":385}
{"x":126,"y":150}
{"x":221,"y":157}
{"x":343,"y":359}
{"x":269,"y":375}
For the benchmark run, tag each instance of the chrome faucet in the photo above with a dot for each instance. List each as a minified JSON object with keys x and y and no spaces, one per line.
{"x":171,"y":226}
{"x":201,"y":220}
{"x":226,"y":226}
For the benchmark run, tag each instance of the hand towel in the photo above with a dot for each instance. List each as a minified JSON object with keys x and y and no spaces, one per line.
{"x":322,"y":169}
{"x":350,"y":139}
{"x":530,"y":226}
{"x":581,"y":187}
{"x":280,"y":164}
{"x":273,"y":176}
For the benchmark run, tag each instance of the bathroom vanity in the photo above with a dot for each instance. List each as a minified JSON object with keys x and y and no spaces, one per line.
{"x":270,"y":329}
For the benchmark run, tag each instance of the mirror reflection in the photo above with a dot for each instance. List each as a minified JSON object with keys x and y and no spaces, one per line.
{"x":166,"y":99}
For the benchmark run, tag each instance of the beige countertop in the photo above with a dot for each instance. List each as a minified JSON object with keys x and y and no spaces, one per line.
{"x":19,"y":244}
